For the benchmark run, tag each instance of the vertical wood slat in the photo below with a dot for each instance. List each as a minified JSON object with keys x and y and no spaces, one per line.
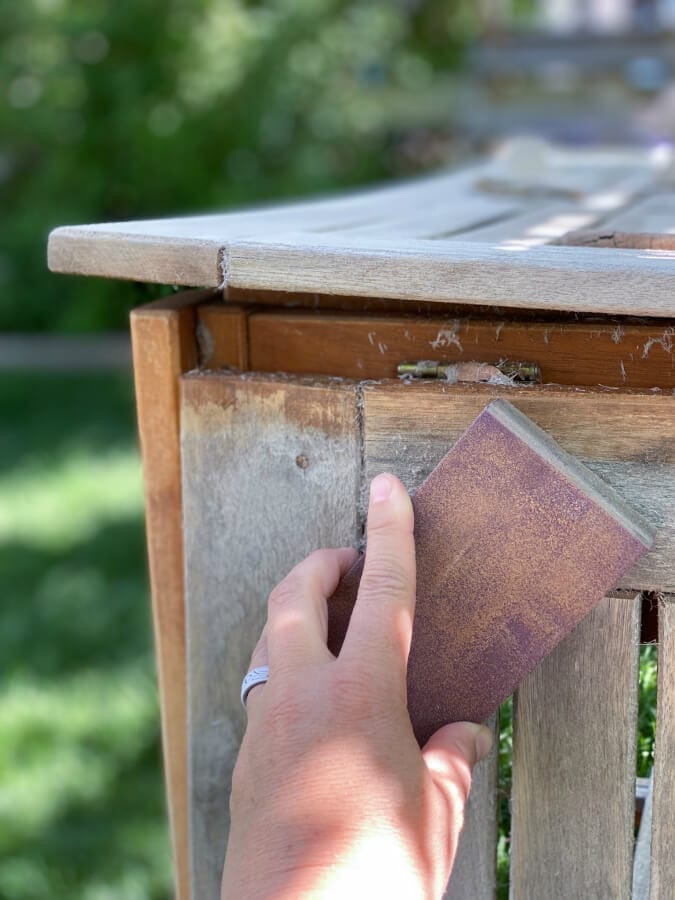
{"x":574,"y":749}
{"x":163,"y":344}
{"x":474,"y":874}
{"x":250,"y":514}
{"x":662,"y":882}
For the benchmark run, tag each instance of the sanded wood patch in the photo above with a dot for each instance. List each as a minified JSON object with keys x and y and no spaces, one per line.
{"x":627,"y":438}
{"x":271,"y":471}
{"x":164,"y":346}
{"x":663,"y":800}
{"x":573,"y":801}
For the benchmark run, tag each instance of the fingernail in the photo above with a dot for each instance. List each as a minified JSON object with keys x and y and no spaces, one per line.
{"x":380,"y":488}
{"x":483,"y":741}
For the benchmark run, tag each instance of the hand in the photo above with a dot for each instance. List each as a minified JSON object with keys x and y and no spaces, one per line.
{"x":331,"y":795}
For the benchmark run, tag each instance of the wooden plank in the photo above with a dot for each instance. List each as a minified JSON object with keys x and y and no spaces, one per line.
{"x":474,"y":874}
{"x":575,"y":720}
{"x":251,"y":512}
{"x":663,"y":797}
{"x":563,"y":278}
{"x":643,"y":846}
{"x":370,"y":346}
{"x":540,"y":225}
{"x":646,"y":225}
{"x":222,"y":334}
{"x":164,"y":346}
{"x":188,"y":250}
{"x":628,"y":438}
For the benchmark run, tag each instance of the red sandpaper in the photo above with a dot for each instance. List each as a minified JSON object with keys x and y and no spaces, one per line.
{"x":516,"y":541}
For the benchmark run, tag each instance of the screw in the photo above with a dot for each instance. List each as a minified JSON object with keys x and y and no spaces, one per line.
{"x":301,"y":461}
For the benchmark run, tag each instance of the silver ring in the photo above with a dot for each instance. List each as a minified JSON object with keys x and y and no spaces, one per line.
{"x":259,"y":675}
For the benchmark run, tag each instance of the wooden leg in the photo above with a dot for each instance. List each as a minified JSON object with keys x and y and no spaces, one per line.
{"x":164,"y":338}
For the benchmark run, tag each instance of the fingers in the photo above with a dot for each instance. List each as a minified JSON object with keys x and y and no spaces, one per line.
{"x":450,"y":755}
{"x":297,"y":617}
{"x":380,"y":628}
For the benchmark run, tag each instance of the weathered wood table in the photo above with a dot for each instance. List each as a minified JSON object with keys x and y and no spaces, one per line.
{"x":269,"y":398}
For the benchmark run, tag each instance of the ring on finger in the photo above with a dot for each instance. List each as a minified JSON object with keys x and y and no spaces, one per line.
{"x":254,"y":677}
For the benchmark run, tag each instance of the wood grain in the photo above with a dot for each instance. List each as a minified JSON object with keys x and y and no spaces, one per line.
{"x":251,"y":513}
{"x":643,"y":847}
{"x":371,"y":346}
{"x":474,"y":872}
{"x":222,"y":334}
{"x":575,"y":721}
{"x":627,"y":438}
{"x":634,"y":282}
{"x":164,"y":346}
{"x":663,"y":797}
{"x":410,"y":241}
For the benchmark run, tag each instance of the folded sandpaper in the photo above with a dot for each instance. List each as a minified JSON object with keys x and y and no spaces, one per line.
{"x":516,"y":541}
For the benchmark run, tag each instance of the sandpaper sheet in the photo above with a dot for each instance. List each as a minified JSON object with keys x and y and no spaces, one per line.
{"x":516,"y":541}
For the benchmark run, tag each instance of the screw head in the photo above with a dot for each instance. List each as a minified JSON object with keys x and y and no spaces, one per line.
{"x":301,"y":461}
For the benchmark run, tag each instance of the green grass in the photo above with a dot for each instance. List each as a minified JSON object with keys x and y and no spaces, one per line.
{"x":82,"y":812}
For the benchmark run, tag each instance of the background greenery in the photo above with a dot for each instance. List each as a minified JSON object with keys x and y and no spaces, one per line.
{"x":121,"y":110}
{"x":81,"y":798}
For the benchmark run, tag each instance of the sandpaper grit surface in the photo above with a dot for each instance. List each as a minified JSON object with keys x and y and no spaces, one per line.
{"x":511,"y":555}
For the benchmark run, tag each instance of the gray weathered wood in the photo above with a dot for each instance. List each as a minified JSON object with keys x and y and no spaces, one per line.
{"x":626,"y":438}
{"x":475,"y":869}
{"x":633,"y":282}
{"x":410,"y":241}
{"x":662,"y":882}
{"x":573,"y":800}
{"x":250,"y":514}
{"x":643,"y":849}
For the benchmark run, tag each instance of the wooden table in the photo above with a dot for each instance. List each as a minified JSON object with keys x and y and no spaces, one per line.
{"x":268,"y":398}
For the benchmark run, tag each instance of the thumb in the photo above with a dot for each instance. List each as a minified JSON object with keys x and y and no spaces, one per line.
{"x":451,"y":753}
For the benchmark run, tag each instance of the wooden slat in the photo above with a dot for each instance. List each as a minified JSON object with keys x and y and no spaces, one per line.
{"x":564,"y":278}
{"x":628,"y":438}
{"x":574,"y":749}
{"x":188,"y":250}
{"x":663,"y":798}
{"x":646,"y":225}
{"x":540,"y":225}
{"x":643,"y":847}
{"x":163,"y":347}
{"x":368,"y":346}
{"x":222,"y":333}
{"x":474,"y":872}
{"x":251,"y":513}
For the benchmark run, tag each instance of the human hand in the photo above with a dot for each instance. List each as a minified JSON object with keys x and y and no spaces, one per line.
{"x":331,"y":795}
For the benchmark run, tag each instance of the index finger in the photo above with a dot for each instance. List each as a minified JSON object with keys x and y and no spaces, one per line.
{"x":380,"y":628}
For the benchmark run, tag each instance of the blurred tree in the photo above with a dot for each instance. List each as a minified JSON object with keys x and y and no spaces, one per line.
{"x":121,"y":110}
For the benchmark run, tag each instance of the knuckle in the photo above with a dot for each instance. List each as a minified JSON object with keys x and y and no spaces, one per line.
{"x":385,"y":578}
{"x":285,"y":591}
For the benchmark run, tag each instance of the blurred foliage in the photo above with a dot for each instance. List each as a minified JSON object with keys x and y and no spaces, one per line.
{"x":82,"y":813}
{"x":647,"y":709}
{"x":122,"y":110}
